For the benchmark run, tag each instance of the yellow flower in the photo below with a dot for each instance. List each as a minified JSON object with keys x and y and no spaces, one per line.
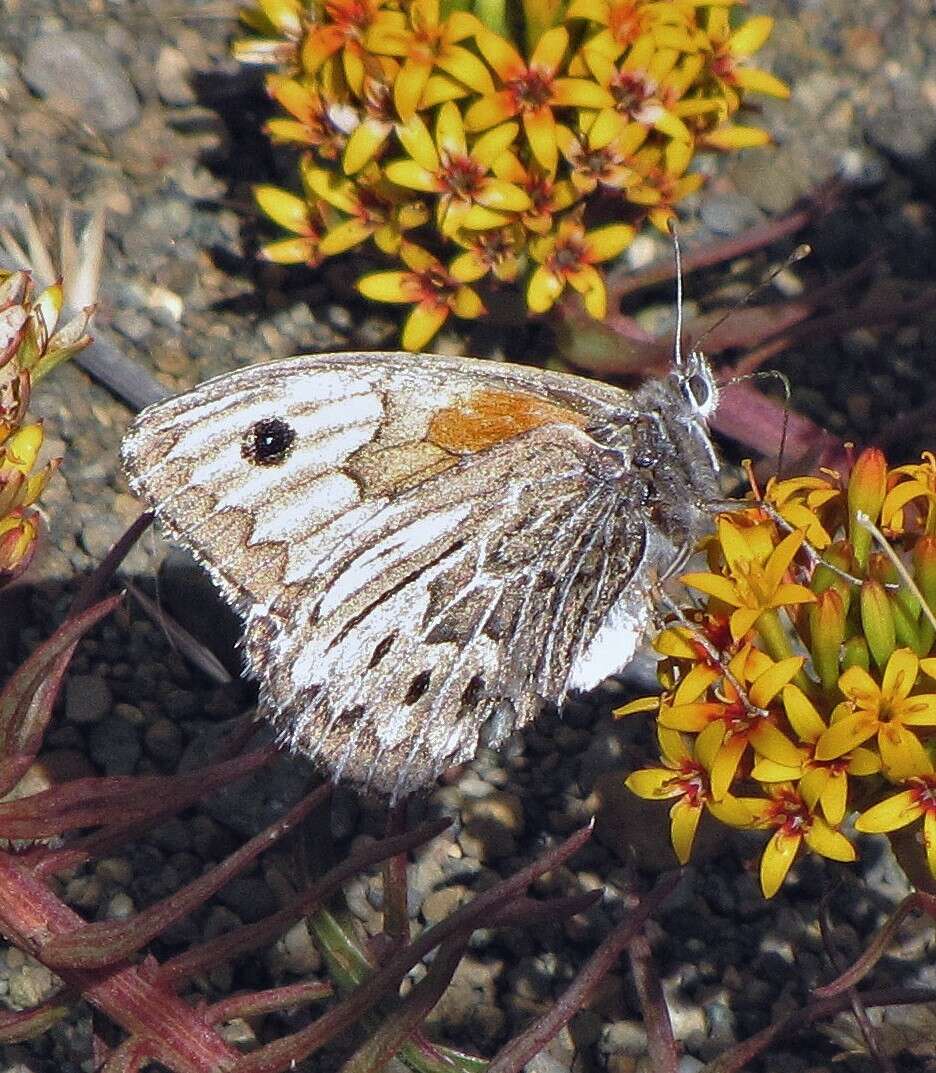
{"x":730,"y":724}
{"x":280,"y":24}
{"x":19,"y":487}
{"x":795,"y":822}
{"x":601,"y":156}
{"x":548,"y":195}
{"x":430,"y":286}
{"x":920,"y":483}
{"x":425,"y":41}
{"x":469,"y":196}
{"x":18,"y":535}
{"x":294,"y":214}
{"x":494,"y":252}
{"x":669,"y":183}
{"x":531,"y":90}
{"x":916,"y":802}
{"x":377,"y":208}
{"x":822,"y":782}
{"x":646,"y":85}
{"x":685,"y":776}
{"x":757,"y":569}
{"x":730,"y":51}
{"x":628,"y":22}
{"x":804,"y":502}
{"x":342,"y":34}
{"x":569,"y":256}
{"x":316,"y":121}
{"x":885,"y":710}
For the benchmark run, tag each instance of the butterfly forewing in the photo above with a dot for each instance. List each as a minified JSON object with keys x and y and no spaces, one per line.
{"x":424,"y":549}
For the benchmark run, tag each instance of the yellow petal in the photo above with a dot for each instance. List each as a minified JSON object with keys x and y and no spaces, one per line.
{"x":468,"y":267}
{"x":466,"y":67}
{"x":844,"y":735}
{"x":713,"y":585}
{"x":822,"y":839}
{"x":467,"y":304}
{"x":889,"y":815}
{"x":422,"y":324}
{"x":550,"y":49}
{"x":770,"y":682}
{"x":502,"y":196}
{"x":654,"y":783}
{"x":540,"y":129}
{"x":500,"y":54}
{"x":412,"y":175}
{"x":731,"y":136}
{"x":684,"y":821}
{"x":635,"y":707}
{"x":756,"y":81}
{"x":286,"y":209}
{"x":772,"y":743}
{"x":490,"y":110}
{"x":290,"y":251}
{"x":494,"y":143}
{"x":417,"y":141}
{"x":834,"y":797}
{"x":902,"y":753}
{"x":409,"y":85}
{"x":364,"y":144}
{"x":900,"y":674}
{"x":580,"y":93}
{"x":344,"y":236}
{"x":750,"y":37}
{"x":725,"y":765}
{"x":450,"y":131}
{"x":387,"y":286}
{"x":777,"y":858}
{"x":804,"y":719}
{"x":607,"y":242}
{"x":543,"y":290}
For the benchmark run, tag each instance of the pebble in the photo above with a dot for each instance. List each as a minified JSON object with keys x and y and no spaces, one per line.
{"x":173,"y":77}
{"x":87,"y":699}
{"x":114,"y":746}
{"x":77,"y":72}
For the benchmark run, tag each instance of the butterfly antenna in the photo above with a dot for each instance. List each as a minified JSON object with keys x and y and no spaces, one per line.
{"x":798,"y":254}
{"x":771,"y":374}
{"x":677,"y":255}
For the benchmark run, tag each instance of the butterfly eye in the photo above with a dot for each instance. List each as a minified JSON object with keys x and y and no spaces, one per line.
{"x":698,"y":390}
{"x":268,"y":442}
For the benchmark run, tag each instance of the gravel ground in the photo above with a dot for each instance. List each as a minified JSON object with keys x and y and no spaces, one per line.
{"x":166,"y":140}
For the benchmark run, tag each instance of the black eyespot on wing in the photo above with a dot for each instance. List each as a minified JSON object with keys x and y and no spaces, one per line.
{"x":268,"y":442}
{"x":417,"y":688}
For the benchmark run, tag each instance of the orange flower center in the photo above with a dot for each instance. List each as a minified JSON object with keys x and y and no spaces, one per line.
{"x":923,"y":789}
{"x":630,"y":89}
{"x":531,"y":90}
{"x":788,"y":812}
{"x":569,"y":255}
{"x":461,"y":175}
{"x":434,"y":286}
{"x":724,"y":66}
{"x":693,"y":782}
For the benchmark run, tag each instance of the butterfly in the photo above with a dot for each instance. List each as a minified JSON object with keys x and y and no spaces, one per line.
{"x":425,"y":549}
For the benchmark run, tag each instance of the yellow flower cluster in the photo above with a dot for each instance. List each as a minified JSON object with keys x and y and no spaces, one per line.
{"x":430,"y":114}
{"x":801,"y":689}
{"x":31,"y":345}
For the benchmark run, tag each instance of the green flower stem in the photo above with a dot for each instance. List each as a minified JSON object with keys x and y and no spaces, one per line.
{"x":776,"y":639}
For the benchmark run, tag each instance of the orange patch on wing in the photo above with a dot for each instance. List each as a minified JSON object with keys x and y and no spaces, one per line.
{"x":490,"y":417}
